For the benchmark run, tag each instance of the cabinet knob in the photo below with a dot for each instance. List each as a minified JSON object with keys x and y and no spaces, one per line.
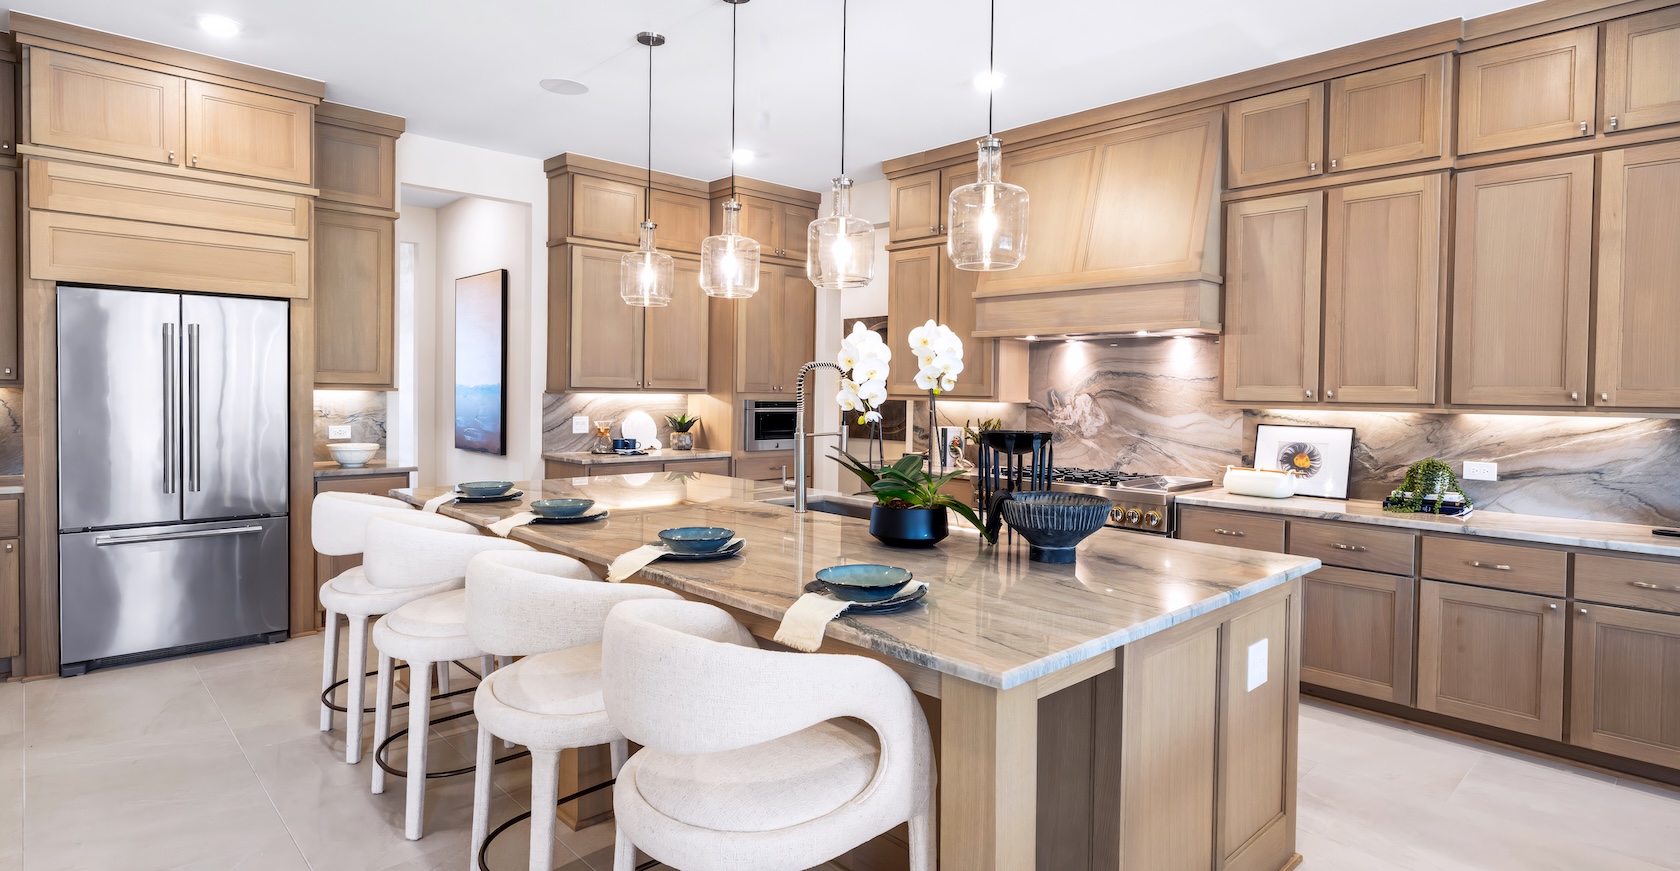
{"x":1309,"y":394}
{"x":1329,"y":394}
{"x":5,"y":146}
{"x":1551,"y":606}
{"x":1583,"y":128}
{"x":10,"y":546}
{"x":1583,"y":612}
{"x":171,"y":157}
{"x":1574,"y":397}
{"x":934,"y":228}
{"x":1333,"y":162}
{"x":195,"y":160}
{"x":1604,"y":397}
{"x":1614,"y":123}
{"x":1312,"y":167}
{"x":8,"y":370}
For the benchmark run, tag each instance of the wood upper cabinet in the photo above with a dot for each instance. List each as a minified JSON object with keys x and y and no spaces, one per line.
{"x":1390,"y":115}
{"x":1272,"y":289}
{"x":1625,"y":676}
{"x":775,"y":331}
{"x":923,"y":285}
{"x":758,"y":222}
{"x":1382,"y":286}
{"x":1522,"y":284}
{"x":605,"y":209}
{"x":675,"y":336}
{"x":1638,"y":306}
{"x":917,"y":206}
{"x":1528,"y":93}
{"x":1356,"y":633}
{"x":1641,"y":71}
{"x":355,"y":166}
{"x":1492,"y":656}
{"x":912,"y":300}
{"x":246,"y":133}
{"x":684,"y":220}
{"x":354,"y":300}
{"x":777,"y":226}
{"x":106,"y":108}
{"x":8,"y":108}
{"x":613,"y":346}
{"x":1277,"y":137}
{"x":794,"y":223}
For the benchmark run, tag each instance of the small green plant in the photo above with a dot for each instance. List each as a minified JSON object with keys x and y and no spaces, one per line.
{"x":1426,"y":478}
{"x":906,"y":484}
{"x":973,"y":430}
{"x":681,"y":422}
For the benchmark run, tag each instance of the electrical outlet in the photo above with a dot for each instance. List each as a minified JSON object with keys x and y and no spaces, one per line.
{"x":580,"y":424}
{"x":1481,"y":471}
{"x":338,"y":432}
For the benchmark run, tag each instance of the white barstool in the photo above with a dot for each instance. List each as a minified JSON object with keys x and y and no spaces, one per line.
{"x":549,"y":609}
{"x":338,"y":527}
{"x":747,"y":759}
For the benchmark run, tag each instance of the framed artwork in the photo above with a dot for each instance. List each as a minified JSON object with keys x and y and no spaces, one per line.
{"x":1318,"y":456}
{"x":481,"y":362}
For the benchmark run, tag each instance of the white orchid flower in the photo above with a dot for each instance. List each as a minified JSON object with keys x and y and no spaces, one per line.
{"x":871,"y":417}
{"x":848,"y":356}
{"x":947,"y":343}
{"x":847,"y":397}
{"x":873,"y":393}
{"x":928,"y":379}
{"x":872,"y":369}
{"x":924,"y":336}
{"x":947,"y":383}
{"x":949,"y":364}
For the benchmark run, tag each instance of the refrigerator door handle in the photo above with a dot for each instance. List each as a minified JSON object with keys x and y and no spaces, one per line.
{"x":192,"y":408}
{"x":170,"y":427}
{"x":109,"y":540}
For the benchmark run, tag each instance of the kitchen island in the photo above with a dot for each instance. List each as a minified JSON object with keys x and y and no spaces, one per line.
{"x":1134,"y":710}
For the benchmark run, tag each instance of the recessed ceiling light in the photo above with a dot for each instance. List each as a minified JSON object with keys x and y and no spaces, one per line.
{"x":988,"y":80}
{"x":564,"y":87}
{"x":219,"y":26}
{"x":743,"y":156}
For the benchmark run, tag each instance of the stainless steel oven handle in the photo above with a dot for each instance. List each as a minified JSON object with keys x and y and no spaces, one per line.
{"x":192,"y":407}
{"x":110,"y":540}
{"x":170,"y":429}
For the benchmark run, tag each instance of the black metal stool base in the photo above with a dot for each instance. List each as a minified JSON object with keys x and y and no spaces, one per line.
{"x":484,"y":850}
{"x":326,"y":694}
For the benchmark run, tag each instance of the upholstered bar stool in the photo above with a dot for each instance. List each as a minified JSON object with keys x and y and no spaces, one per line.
{"x":338,"y":527}
{"x":425,"y":632}
{"x":746,"y":761}
{"x":549,"y":609}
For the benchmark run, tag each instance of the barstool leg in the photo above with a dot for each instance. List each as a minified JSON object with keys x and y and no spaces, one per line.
{"x":624,"y":852}
{"x":924,"y":833}
{"x":504,"y":662}
{"x":419,"y":729}
{"x":482,"y":778}
{"x":620,"y":751}
{"x":443,"y":678}
{"x":486,"y":664}
{"x":545,"y":791}
{"x":381,"y":717}
{"x":356,"y":697}
{"x":329,"y":667}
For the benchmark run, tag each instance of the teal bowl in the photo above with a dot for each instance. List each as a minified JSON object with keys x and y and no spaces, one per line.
{"x":863,"y":582}
{"x":484,"y":488}
{"x":696,"y":539}
{"x":561,"y":507}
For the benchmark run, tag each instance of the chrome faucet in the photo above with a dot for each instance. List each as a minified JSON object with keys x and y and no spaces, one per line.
{"x":799,"y":435}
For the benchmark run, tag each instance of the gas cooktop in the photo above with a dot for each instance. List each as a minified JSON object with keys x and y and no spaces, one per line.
{"x":1141,"y":502}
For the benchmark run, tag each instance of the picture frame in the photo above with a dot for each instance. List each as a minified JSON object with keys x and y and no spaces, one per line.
{"x":481,"y":363}
{"x":1318,"y":457}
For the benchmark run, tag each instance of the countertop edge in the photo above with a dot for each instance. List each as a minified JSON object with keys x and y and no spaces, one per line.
{"x":337,"y":471}
{"x":584,"y":458}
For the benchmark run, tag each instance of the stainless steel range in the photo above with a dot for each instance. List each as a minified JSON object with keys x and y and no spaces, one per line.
{"x":1142,"y":503}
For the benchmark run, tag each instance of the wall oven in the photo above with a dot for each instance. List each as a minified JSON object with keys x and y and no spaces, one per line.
{"x":769,"y":424}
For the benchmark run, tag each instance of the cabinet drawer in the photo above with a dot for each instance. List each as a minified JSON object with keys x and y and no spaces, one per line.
{"x":9,"y":527}
{"x":77,"y":248}
{"x":625,"y":469}
{"x":1232,"y":530}
{"x":1636,"y":583}
{"x":1504,"y":566}
{"x":163,"y":199}
{"x":376,"y":485}
{"x":708,"y":467}
{"x":775,"y":465}
{"x":1353,"y":546}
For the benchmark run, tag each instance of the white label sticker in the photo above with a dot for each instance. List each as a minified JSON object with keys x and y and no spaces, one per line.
{"x":1257,"y":655}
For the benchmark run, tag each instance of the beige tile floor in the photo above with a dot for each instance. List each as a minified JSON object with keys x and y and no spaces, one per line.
{"x":214,"y":763}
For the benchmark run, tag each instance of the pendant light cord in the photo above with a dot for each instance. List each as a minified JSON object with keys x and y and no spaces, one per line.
{"x":734,"y":66}
{"x":647,"y":200}
{"x":991,"y":71}
{"x":844,"y":17}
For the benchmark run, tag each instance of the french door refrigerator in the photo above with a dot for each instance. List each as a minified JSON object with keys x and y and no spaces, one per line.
{"x":172,"y":473}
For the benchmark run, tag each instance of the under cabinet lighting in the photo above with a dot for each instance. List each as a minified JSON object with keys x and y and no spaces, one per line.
{"x":219,"y":26}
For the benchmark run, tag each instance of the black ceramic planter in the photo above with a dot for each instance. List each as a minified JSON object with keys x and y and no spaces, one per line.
{"x":908,"y":527}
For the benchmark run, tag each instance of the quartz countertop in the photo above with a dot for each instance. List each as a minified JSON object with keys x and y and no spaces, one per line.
{"x":1625,"y":537}
{"x":331,"y":469}
{"x":991,"y":615}
{"x":585,"y":458}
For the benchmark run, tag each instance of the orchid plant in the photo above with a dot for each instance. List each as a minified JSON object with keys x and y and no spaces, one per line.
{"x":939,"y":356}
{"x":864,"y":357}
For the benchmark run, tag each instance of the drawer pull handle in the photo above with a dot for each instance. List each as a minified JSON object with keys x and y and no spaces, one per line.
{"x":1356,"y":548}
{"x":1644,"y":586}
{"x":1236,"y":532}
{"x":1498,"y":567}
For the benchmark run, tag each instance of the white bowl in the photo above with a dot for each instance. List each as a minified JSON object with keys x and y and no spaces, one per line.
{"x":353,"y":455}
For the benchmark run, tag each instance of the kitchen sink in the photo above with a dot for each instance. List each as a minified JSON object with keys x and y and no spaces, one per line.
{"x":838,"y":505}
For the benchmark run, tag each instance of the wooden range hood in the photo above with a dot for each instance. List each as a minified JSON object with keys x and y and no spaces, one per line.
{"x":1123,"y":236}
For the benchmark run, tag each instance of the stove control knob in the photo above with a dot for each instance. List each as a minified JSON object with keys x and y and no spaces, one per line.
{"x":1133,"y":515}
{"x":1152,"y":518}
{"x":1117,"y":515}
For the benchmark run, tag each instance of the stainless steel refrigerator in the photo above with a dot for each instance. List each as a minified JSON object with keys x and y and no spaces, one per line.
{"x":172,"y":473}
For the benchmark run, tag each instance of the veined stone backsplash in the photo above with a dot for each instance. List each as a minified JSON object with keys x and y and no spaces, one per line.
{"x":558,"y":409}
{"x":363,"y":410}
{"x":1152,"y":405}
{"x":11,"y":432}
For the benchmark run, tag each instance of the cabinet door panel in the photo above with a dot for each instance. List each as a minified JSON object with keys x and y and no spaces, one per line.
{"x":918,"y":206}
{"x":1356,"y":633}
{"x":1626,"y":681}
{"x":1492,"y":657}
{"x":9,"y":117}
{"x":676,"y":336}
{"x":758,"y":223}
{"x":1272,"y":283}
{"x":1523,"y":278}
{"x":245,"y":133}
{"x":10,"y":303}
{"x":1642,"y":71}
{"x":1382,"y":288}
{"x":610,"y":211}
{"x":355,"y":300}
{"x":1277,"y":137}
{"x":1638,"y":308}
{"x":794,"y":225}
{"x":91,"y":105}
{"x":912,"y":300}
{"x":1390,"y":115}
{"x":607,"y":335}
{"x":1529,"y":92}
{"x":757,"y":320}
{"x":684,"y":220}
{"x":796,"y":333}
{"x":355,"y":166}
{"x":956,"y":310}
{"x":10,"y":622}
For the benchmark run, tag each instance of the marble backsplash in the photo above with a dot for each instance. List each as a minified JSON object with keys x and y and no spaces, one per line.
{"x":11,"y":432}
{"x":1152,"y":405}
{"x":559,"y":408}
{"x":362,"y":410}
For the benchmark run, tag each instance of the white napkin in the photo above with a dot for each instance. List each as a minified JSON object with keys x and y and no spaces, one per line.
{"x":506,"y":525}
{"x":436,"y":502}
{"x":634,"y":561}
{"x":805,"y":624}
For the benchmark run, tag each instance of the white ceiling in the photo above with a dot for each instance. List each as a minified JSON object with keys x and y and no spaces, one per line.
{"x":468,"y":71}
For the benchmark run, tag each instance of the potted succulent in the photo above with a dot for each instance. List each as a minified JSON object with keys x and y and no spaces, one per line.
{"x":681,"y":438}
{"x":909,"y":510}
{"x":1429,"y":487}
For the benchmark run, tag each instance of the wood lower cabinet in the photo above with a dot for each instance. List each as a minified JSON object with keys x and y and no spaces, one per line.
{"x":329,"y":567}
{"x":355,"y":300}
{"x":11,"y":370}
{"x":1641,"y":78}
{"x":105,"y":108}
{"x":1389,"y":115}
{"x":917,"y":207}
{"x":1528,"y":93}
{"x":1492,"y":657}
{"x":613,"y":346}
{"x":1356,"y":633}
{"x":1248,"y":531}
{"x":245,"y":133}
{"x":1277,"y":137}
{"x":1625,"y":681}
{"x":1638,"y":317}
{"x":562,"y":469}
{"x":11,"y":603}
{"x":1523,"y":283}
{"x":1272,"y":284}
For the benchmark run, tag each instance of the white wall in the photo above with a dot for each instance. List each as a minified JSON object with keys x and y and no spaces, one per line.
{"x":870,"y":201}
{"x":416,"y":283}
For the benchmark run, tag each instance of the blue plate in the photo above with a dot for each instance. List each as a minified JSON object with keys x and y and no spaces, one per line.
{"x":696,"y":539}
{"x":484,"y":488}
{"x":863,"y":582}
{"x":514,"y":496}
{"x":890,"y":606}
{"x":581,"y":518}
{"x":725,"y":553}
{"x":561,"y":507}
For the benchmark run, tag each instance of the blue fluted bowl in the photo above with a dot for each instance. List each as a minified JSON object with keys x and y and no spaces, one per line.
{"x":1054,"y":523}
{"x":864,"y":582}
{"x":696,"y":539}
{"x":484,"y":488}
{"x":561,"y":507}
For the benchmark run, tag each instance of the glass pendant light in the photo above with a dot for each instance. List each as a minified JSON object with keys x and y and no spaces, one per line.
{"x":729,"y":261}
{"x":840,"y":249}
{"x":988,"y":219}
{"x":646,"y":276}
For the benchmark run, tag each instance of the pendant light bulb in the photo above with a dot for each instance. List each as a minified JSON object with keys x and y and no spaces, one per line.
{"x":729,"y":260}
{"x":646,"y":276}
{"x":840,"y":249}
{"x":988,"y":219}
